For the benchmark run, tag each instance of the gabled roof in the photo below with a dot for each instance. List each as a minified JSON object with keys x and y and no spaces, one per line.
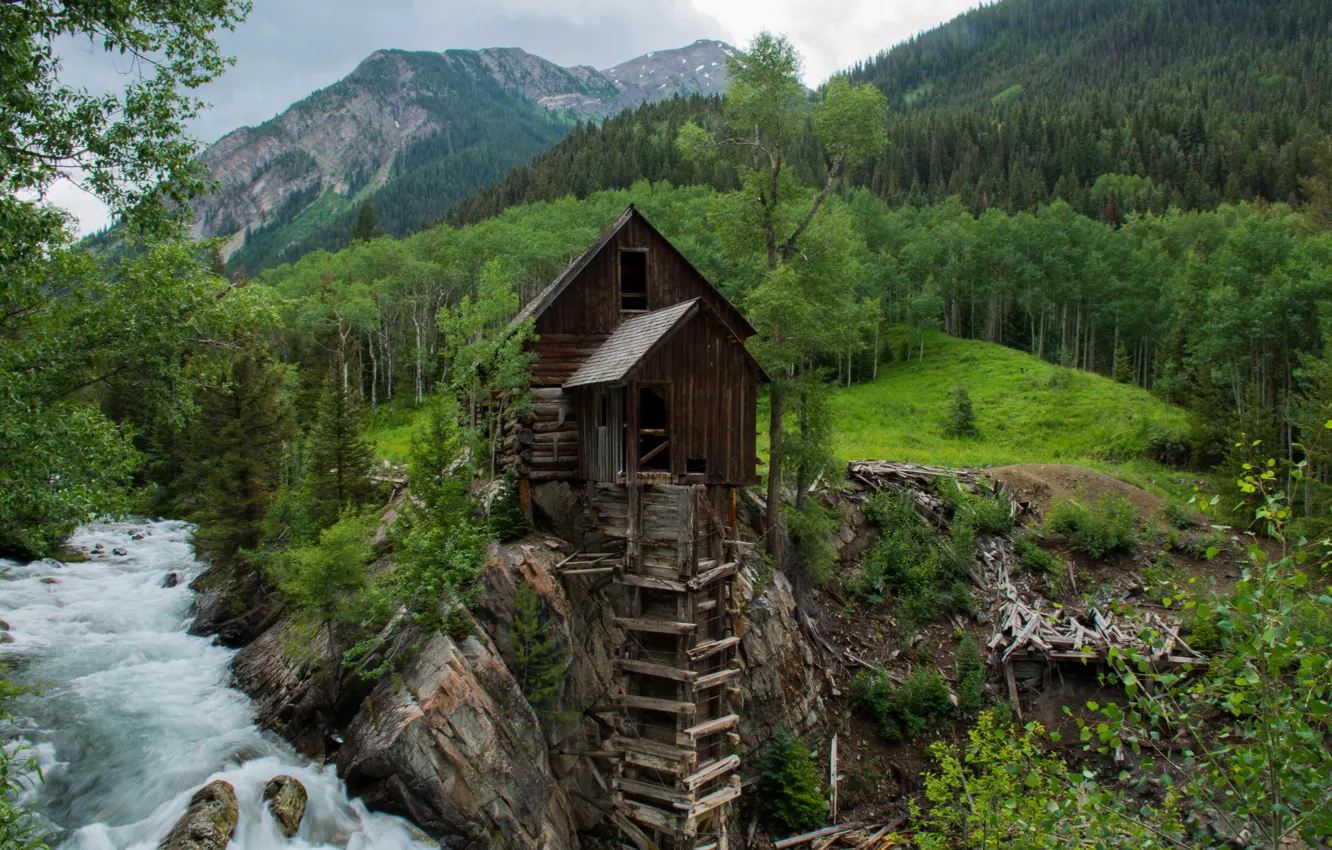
{"x":534,"y":308}
{"x":636,"y":339}
{"x":631,"y":342}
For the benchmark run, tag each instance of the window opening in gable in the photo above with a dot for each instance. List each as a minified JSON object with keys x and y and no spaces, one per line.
{"x":633,"y":281}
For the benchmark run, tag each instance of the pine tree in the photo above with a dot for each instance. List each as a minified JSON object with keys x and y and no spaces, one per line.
{"x":340,"y":458}
{"x":366,"y":227}
{"x":539,"y":664}
{"x":961,"y":415}
{"x":234,"y":454}
{"x":1123,"y":365}
{"x":789,"y":792}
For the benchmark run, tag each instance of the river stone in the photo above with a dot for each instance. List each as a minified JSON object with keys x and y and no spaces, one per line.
{"x":209,"y":821}
{"x":171,"y":580}
{"x":286,"y":798}
{"x":50,"y":580}
{"x":6,"y":637}
{"x":120,"y":550}
{"x":4,"y":625}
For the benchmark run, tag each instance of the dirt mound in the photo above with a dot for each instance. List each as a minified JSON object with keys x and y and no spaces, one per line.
{"x":1044,"y":483}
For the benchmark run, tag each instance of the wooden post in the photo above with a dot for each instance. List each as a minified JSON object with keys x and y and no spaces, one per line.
{"x":832,"y":777}
{"x":525,"y":499}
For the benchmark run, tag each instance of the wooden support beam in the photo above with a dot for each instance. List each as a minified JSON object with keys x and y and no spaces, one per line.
{"x":653,"y":790}
{"x":663,"y":627}
{"x":661,"y":671}
{"x":721,"y":724}
{"x":720,"y":797}
{"x":653,"y":582}
{"x":653,"y":704}
{"x":712,"y":680}
{"x":590,"y":571}
{"x":650,"y":815}
{"x":711,"y":648}
{"x":650,"y":455}
{"x":707,"y":578}
{"x":709,"y":772}
{"x":644,"y":745}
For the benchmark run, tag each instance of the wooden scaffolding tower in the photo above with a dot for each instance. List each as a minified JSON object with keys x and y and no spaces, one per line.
{"x":678,"y":664}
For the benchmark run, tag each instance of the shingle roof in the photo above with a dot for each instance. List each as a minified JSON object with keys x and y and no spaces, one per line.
{"x":630,"y":343}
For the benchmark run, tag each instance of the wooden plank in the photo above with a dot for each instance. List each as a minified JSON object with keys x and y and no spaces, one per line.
{"x":646,"y":745}
{"x":712,"y":575}
{"x":649,"y":815}
{"x":661,"y":763}
{"x":717,"y":798}
{"x":661,"y":671}
{"x":797,"y":840}
{"x":653,"y":582}
{"x":709,"y":772}
{"x":711,"y":727}
{"x":653,"y":790}
{"x":707,"y":650}
{"x":663,"y":627}
{"x":653,"y":704}
{"x":712,"y":680}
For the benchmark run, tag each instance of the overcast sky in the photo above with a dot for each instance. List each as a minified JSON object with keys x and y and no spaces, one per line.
{"x":289,"y":48}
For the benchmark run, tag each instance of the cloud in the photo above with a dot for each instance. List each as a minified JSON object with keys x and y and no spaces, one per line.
{"x":832,"y":34}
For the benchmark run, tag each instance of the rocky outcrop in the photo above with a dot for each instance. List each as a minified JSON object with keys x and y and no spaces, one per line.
{"x":452,"y":744}
{"x":231,"y":604}
{"x":208,"y":822}
{"x":286,"y":797}
{"x":780,"y":686}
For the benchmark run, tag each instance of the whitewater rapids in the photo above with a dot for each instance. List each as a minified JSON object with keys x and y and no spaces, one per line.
{"x":135,"y":715}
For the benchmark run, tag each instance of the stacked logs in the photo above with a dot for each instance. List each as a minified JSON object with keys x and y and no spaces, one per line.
{"x":543,"y":445}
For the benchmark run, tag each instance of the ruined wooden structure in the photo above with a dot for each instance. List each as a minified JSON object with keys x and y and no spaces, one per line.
{"x":646,"y":401}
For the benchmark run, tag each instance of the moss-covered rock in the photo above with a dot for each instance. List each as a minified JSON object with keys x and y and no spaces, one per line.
{"x":209,"y":821}
{"x":286,"y":797}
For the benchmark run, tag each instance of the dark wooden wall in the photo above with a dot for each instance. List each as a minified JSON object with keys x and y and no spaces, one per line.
{"x":713,"y":388}
{"x":601,"y":448}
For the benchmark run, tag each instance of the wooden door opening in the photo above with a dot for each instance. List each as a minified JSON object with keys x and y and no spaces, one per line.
{"x":654,"y":439}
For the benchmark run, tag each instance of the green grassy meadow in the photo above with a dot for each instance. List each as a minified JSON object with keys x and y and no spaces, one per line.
{"x":1027,"y":411}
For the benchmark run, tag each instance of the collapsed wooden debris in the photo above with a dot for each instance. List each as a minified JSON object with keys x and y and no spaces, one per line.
{"x":1026,"y":627}
{"x":1025,"y":630}
{"x":855,"y":834}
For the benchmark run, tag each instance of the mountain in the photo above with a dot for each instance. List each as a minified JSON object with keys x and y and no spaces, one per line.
{"x":1114,"y":106}
{"x":414,"y":132}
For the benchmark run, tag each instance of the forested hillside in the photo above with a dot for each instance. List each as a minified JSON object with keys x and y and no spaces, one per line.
{"x":1111,"y":105}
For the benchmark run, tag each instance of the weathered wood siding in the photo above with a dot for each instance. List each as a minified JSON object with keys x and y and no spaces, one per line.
{"x":711,"y":403}
{"x":601,"y":447}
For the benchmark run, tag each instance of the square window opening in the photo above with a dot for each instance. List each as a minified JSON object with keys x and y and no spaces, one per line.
{"x":696,"y":465}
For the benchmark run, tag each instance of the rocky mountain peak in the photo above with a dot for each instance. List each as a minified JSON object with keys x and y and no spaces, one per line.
{"x":698,"y":68}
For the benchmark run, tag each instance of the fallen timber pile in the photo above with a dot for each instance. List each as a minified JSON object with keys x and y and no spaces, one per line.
{"x":858,"y":835}
{"x":1028,"y":629}
{"x":1025,"y":631}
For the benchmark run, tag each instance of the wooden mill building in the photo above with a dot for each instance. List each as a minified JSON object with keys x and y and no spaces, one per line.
{"x":646,"y":403}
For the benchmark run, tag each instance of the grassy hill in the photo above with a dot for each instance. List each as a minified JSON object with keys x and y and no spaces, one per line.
{"x":1027,"y":411}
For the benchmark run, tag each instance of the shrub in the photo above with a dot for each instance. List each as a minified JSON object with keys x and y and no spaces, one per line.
{"x":1176,"y":516}
{"x":506,"y":518}
{"x":790,"y":793}
{"x":811,"y":532}
{"x":902,"y":711}
{"x":961,"y":421}
{"x":1109,"y":524}
{"x":970,"y":674}
{"x":1208,"y":545}
{"x":1036,"y":558}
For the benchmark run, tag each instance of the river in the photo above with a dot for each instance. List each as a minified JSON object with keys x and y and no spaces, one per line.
{"x":135,"y":715}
